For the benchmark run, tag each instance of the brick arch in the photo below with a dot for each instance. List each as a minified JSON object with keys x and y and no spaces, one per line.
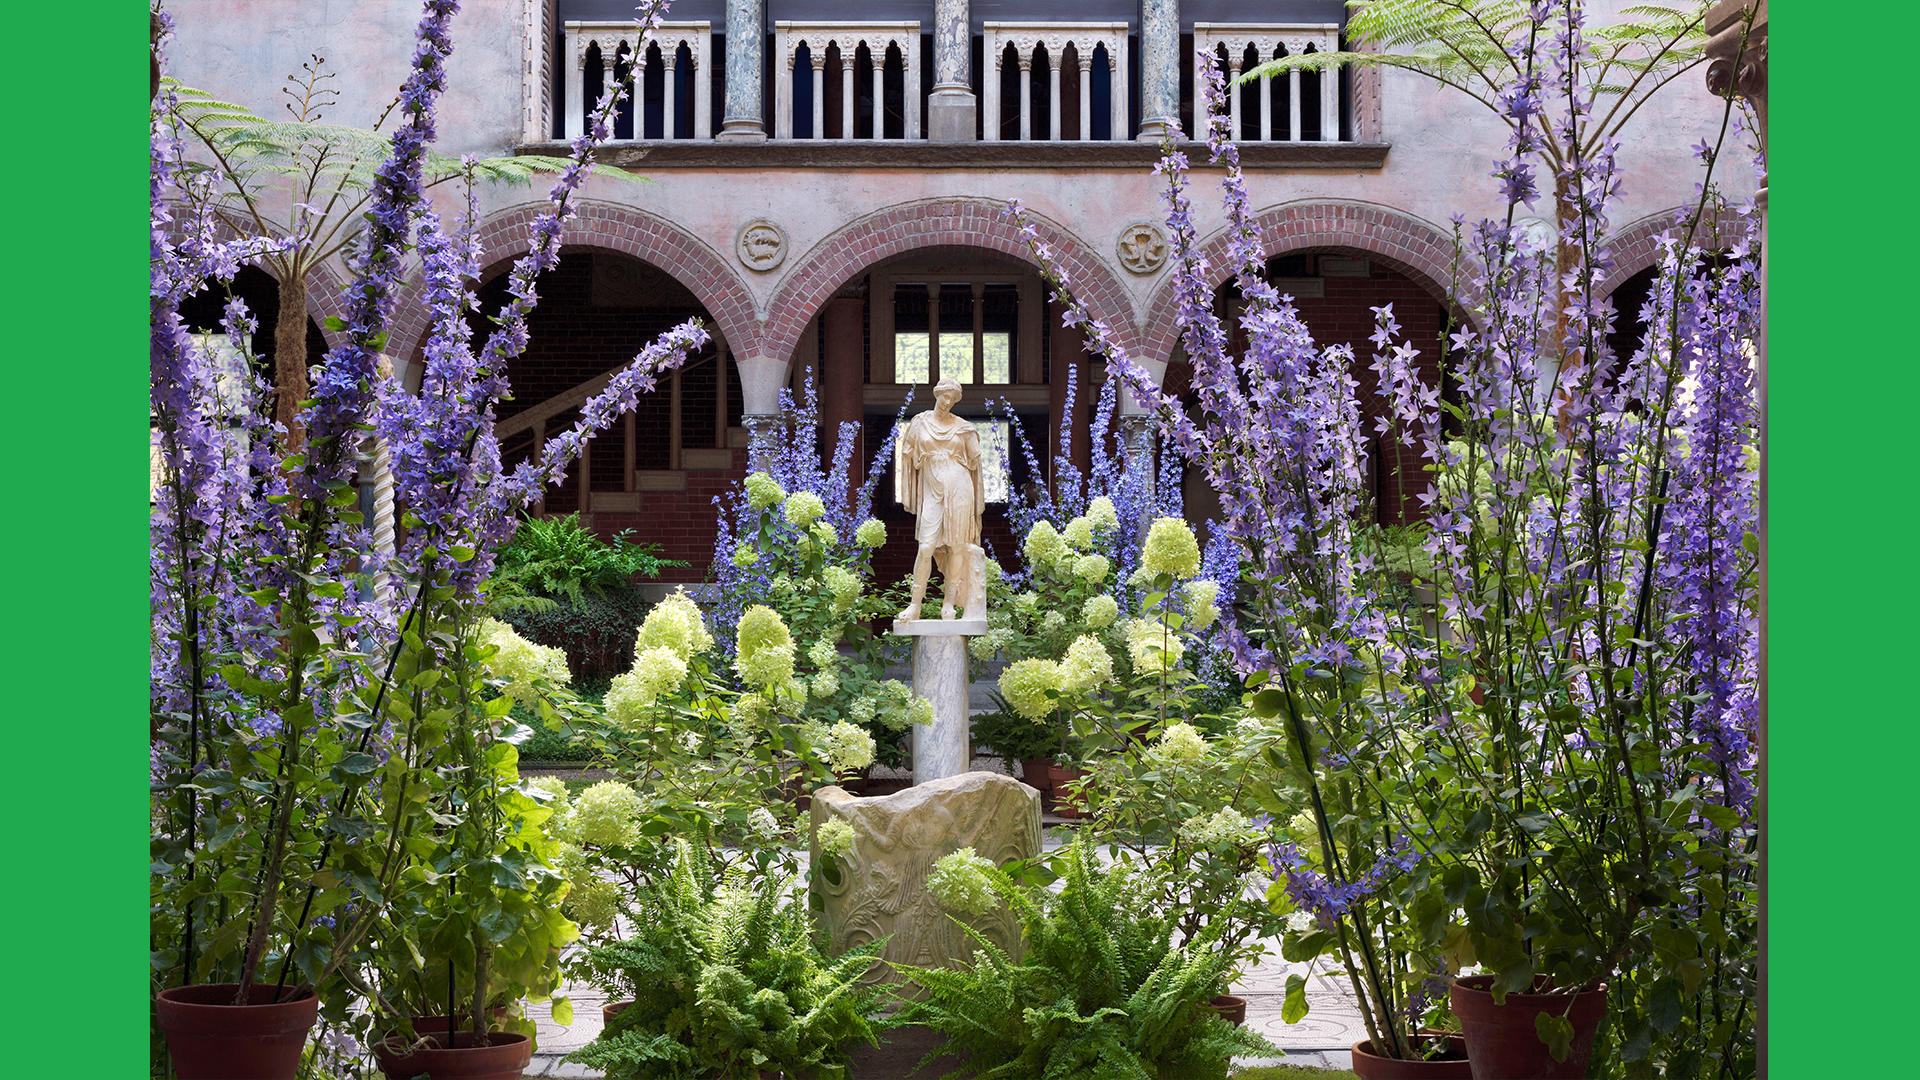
{"x":1400,"y":241}
{"x":1636,"y":247}
{"x":623,"y":230}
{"x":326,"y":286}
{"x":943,"y":222}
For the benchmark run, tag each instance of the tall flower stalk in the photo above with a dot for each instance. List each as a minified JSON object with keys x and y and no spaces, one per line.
{"x":295,"y":716}
{"x":1549,"y":772}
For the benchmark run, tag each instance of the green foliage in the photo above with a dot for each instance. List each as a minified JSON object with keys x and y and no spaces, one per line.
{"x":597,"y":632}
{"x":1101,"y":990}
{"x":559,"y":557}
{"x":727,"y":978}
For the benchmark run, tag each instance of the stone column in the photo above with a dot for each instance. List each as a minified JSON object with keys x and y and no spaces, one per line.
{"x":945,"y":747}
{"x":764,"y":432}
{"x":745,"y":120}
{"x":1136,"y":433}
{"x":952,"y":108}
{"x":1159,"y":68}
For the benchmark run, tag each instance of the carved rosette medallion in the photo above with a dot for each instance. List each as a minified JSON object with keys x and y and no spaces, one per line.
{"x":761,"y":245}
{"x":1142,"y":247}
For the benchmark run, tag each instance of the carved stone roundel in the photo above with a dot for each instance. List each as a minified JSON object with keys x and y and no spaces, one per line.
{"x":761,"y":245}
{"x":1142,"y":247}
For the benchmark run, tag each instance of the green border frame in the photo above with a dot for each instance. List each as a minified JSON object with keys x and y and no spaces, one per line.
{"x":76,"y":542}
{"x":1842,"y":381}
{"x":1839,"y":951}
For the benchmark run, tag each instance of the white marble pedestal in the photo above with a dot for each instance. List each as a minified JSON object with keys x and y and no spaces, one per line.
{"x":945,"y":747}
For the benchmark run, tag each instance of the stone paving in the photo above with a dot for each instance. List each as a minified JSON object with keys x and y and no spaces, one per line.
{"x":1321,"y":1040}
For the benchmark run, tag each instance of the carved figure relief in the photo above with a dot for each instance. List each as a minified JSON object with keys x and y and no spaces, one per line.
{"x":880,"y":888}
{"x":761,"y":245}
{"x":1142,"y":247}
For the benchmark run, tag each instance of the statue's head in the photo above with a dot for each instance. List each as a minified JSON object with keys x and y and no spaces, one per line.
{"x":946,"y":391}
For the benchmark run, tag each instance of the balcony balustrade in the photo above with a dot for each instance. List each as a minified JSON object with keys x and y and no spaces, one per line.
{"x":1029,"y":43}
{"x":1243,"y":46}
{"x":678,"y":47}
{"x":884,"y":43}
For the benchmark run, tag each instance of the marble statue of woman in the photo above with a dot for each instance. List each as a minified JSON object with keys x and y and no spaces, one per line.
{"x":938,"y":461}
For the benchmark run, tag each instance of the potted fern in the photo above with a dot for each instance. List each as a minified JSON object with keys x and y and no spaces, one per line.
{"x":726,"y":980}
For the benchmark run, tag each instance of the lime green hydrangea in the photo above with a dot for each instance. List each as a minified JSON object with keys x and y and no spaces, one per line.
{"x":1203,"y":596}
{"x":606,"y":814}
{"x":1086,"y":665}
{"x":1026,"y":683}
{"x":1180,"y":741}
{"x":1100,"y":611}
{"x":1078,"y":534}
{"x":674,"y":623}
{"x":919,"y":711}
{"x":994,"y":571}
{"x":962,"y":882}
{"x":823,"y":534}
{"x":520,"y":663}
{"x":841,"y":746}
{"x":745,"y":555}
{"x":593,"y":903}
{"x":1151,"y":647}
{"x":1223,"y":828}
{"x":1102,"y":515}
{"x":750,"y":710}
{"x":835,"y":837}
{"x":1043,"y":547}
{"x":1052,"y":621}
{"x":862,"y":708}
{"x":764,"y":824}
{"x":824,"y":685}
{"x":872,"y":533}
{"x":1092,"y":569}
{"x":631,"y":696}
{"x":844,"y":584}
{"x":803,"y":509}
{"x":986,"y":646}
{"x":763,"y":649}
{"x":1026,"y":604}
{"x":1170,"y":549}
{"x":557,"y":800}
{"x":763,"y":491}
{"x":822,"y":655}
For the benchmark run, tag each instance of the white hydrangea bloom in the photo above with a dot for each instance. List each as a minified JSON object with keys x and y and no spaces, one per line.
{"x":763,"y":823}
{"x":1203,"y":597}
{"x":674,"y":623}
{"x":1102,"y":515}
{"x":824,"y":685}
{"x":1079,"y":533}
{"x":1100,"y":611}
{"x":520,"y":663}
{"x":872,"y":533}
{"x":1152,"y":647}
{"x":763,"y":492}
{"x":606,"y":814}
{"x":842,"y":747}
{"x":1181,"y":741}
{"x":1092,"y":569}
{"x":844,"y":584}
{"x":822,"y":654}
{"x":803,"y":509}
{"x":1226,"y":827}
{"x":960,"y":883}
{"x":1086,"y":665}
{"x":836,"y":838}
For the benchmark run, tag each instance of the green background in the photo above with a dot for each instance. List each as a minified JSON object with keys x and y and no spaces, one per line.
{"x":1840,"y":504}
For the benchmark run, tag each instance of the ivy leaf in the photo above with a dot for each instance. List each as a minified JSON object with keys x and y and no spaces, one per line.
{"x":562,"y":1011}
{"x":1556,"y":1032}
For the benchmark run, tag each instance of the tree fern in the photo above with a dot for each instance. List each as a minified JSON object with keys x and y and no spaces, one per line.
{"x":1463,"y":44}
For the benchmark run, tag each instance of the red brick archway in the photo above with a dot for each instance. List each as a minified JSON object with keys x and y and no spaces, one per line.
{"x":623,"y":230}
{"x":895,"y":230}
{"x":1636,"y":247}
{"x":1400,"y":241}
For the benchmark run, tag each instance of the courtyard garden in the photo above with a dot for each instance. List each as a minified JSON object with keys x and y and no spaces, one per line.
{"x":1483,"y":769}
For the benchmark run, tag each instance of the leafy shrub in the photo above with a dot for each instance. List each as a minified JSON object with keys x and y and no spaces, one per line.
{"x":597,"y":631}
{"x":560,"y":557}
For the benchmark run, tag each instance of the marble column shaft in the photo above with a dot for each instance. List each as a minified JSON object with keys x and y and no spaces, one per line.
{"x":746,"y":59}
{"x":952,"y":107}
{"x":1159,"y":68}
{"x":944,"y":747}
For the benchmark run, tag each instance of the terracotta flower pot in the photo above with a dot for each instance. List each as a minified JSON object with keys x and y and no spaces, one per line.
{"x":503,"y":1056}
{"x":1058,"y":777}
{"x":1453,"y":1065}
{"x":1502,"y":1042}
{"x":612,"y":1009}
{"x":436,"y":1023}
{"x":1033,"y":770}
{"x":1231,"y":1007}
{"x":210,"y":1038}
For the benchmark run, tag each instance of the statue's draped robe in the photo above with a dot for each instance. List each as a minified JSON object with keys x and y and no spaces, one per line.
{"x":939,"y":463}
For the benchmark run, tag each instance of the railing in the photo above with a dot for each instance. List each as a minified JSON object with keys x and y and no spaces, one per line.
{"x":1047,"y":43}
{"x":879,"y":40}
{"x":1242,"y":46}
{"x":677,"y":45}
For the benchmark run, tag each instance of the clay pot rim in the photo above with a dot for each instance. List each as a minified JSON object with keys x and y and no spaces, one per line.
{"x":175,"y":997}
{"x":494,"y":1039}
{"x":1453,"y":1038}
{"x":1478,"y":984}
